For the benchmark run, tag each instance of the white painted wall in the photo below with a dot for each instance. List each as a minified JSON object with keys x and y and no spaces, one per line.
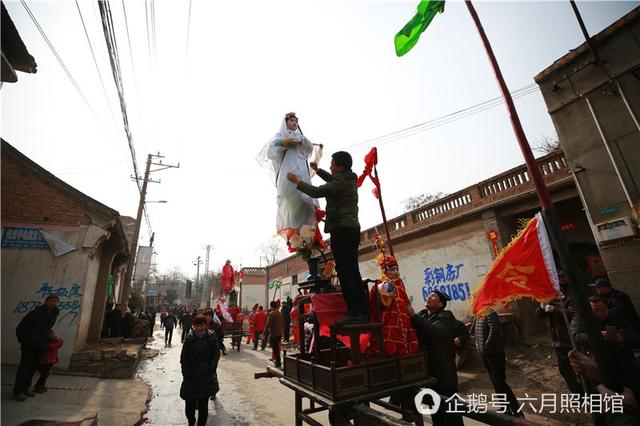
{"x":28,"y":275}
{"x":422,"y":268}
{"x":252,"y":294}
{"x":88,"y":296}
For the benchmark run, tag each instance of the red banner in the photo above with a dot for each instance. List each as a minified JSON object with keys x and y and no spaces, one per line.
{"x":525,"y":268}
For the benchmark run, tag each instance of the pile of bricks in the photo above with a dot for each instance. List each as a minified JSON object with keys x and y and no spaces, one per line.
{"x":114,"y":360}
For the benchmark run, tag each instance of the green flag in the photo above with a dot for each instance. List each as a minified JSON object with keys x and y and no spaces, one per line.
{"x":110,"y":285}
{"x":408,"y":36}
{"x":275,"y":283}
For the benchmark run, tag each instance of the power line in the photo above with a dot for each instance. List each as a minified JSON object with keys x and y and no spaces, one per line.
{"x":445,"y":119}
{"x":153,"y":31}
{"x":64,"y":67}
{"x":146,"y":14}
{"x":93,"y":55}
{"x":186,"y":51}
{"x":133,"y":71}
{"x":112,"y":48}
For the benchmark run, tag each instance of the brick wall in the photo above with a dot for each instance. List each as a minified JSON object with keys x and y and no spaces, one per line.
{"x":27,"y":197}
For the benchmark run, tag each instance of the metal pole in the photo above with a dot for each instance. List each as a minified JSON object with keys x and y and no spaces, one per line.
{"x":576,"y":286}
{"x":384,"y":215}
{"x":585,"y":33}
{"x":198,"y":282}
{"x":134,"y":242}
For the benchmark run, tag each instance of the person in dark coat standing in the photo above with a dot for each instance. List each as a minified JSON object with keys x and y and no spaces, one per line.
{"x":169,"y":324}
{"x":199,"y":361}
{"x":274,"y":326}
{"x":490,"y":345}
{"x":435,"y":329}
{"x":559,"y":335}
{"x":286,"y":318}
{"x":618,"y":302}
{"x":34,"y":335}
{"x":341,"y":222}
{"x":186,"y":321}
{"x":460,"y":340}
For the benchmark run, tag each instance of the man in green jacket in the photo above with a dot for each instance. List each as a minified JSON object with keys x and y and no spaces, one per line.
{"x":341,"y":223}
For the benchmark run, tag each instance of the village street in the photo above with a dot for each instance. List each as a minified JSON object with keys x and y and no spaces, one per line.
{"x":242,"y":400}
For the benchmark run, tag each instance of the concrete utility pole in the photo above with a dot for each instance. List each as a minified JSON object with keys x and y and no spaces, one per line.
{"x":207,"y":276}
{"x":136,"y":233}
{"x":199,"y":291}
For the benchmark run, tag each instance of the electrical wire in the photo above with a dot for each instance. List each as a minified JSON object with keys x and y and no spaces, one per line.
{"x":146,"y":14}
{"x":93,"y":55}
{"x":112,"y":48}
{"x":64,"y":67}
{"x":186,"y":51}
{"x":153,"y":30}
{"x":135,"y":76}
{"x":445,"y":119}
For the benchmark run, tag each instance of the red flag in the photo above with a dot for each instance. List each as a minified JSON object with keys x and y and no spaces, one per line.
{"x":525,"y":268}
{"x":370,"y":160}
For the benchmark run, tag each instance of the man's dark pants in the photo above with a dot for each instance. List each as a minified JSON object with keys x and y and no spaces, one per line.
{"x":168,"y":334}
{"x":444,"y":416}
{"x":344,"y":245}
{"x":275,"y":349}
{"x":495,"y":365}
{"x":265,"y":340}
{"x":256,"y":337}
{"x":29,"y":360}
{"x":566,"y":371}
{"x":44,"y":370}
{"x":203,"y":411}
{"x":286,"y":330}
{"x":185,"y":331}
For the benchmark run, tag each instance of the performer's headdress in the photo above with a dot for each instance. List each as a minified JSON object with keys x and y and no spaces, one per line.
{"x":290,"y":115}
{"x":382,"y":259}
{"x":388,"y":262}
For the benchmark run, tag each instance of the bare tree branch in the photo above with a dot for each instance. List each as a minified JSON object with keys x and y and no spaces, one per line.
{"x":272,"y":250}
{"x":420,"y":200}
{"x":547,"y":144}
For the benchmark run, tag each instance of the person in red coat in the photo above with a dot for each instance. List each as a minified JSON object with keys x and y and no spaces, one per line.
{"x":49,"y":358}
{"x":259,"y":324}
{"x":251,"y":321}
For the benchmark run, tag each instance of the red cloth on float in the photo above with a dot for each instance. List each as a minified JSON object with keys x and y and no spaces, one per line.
{"x":398,"y":334}
{"x":330,"y":307}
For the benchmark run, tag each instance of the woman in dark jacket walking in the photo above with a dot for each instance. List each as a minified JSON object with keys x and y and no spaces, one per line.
{"x":199,"y":361}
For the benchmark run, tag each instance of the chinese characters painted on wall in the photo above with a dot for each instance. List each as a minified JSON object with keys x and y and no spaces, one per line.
{"x":446,"y":279}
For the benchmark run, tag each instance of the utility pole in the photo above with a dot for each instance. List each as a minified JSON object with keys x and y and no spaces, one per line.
{"x":199,"y":291}
{"x":147,"y":281}
{"x":136,"y":233}
{"x":207,"y":276}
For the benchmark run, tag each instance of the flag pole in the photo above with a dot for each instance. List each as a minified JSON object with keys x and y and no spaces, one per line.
{"x":384,"y":215}
{"x":576,"y":285}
